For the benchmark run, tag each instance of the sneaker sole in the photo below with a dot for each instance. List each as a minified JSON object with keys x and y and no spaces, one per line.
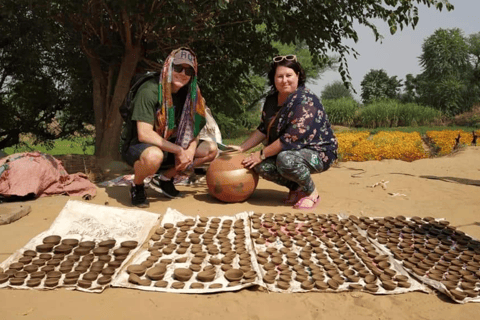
{"x":160,"y":190}
{"x":142,"y":205}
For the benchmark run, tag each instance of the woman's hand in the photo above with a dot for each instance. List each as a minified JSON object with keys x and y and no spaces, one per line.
{"x":252,"y":160}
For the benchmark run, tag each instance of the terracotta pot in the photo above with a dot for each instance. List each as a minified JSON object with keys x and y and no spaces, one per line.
{"x":228,"y":180}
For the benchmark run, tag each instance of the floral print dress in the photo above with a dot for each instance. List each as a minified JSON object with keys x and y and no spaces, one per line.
{"x":309,"y":144}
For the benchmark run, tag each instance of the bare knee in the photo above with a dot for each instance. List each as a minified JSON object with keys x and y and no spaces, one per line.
{"x":207,"y":150}
{"x":150,"y":160}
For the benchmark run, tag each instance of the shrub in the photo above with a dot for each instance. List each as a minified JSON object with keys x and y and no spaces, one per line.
{"x":341,"y":111}
{"x":336,"y":90}
{"x":392,"y":113}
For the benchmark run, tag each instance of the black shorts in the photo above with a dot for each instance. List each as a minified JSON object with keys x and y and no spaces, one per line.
{"x":134,"y":152}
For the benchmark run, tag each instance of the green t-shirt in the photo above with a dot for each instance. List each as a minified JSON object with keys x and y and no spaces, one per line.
{"x":145,"y":102}
{"x":145,"y":105}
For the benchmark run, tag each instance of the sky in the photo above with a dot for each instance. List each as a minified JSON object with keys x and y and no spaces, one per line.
{"x":399,"y":54}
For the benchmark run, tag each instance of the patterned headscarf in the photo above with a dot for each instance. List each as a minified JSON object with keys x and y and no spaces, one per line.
{"x":192,"y":119}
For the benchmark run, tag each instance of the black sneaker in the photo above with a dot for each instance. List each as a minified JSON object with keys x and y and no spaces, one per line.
{"x":165,"y":187}
{"x":139,"y":197}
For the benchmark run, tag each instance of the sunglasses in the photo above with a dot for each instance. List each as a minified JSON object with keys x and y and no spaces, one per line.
{"x":290,"y":57}
{"x":188,"y":70}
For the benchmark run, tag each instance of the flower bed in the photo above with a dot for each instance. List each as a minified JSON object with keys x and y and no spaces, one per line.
{"x":444,"y":141}
{"x":360,"y":146}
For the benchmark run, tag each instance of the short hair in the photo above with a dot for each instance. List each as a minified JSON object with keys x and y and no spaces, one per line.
{"x":292,"y":64}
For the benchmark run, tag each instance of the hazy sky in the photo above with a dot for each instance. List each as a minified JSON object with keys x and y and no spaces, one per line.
{"x":398,"y":54}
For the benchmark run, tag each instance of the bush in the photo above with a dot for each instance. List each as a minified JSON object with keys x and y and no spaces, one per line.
{"x":392,"y":113}
{"x":341,"y":111}
{"x":336,"y":90}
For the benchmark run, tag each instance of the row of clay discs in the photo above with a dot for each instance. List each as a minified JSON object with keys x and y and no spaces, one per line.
{"x":288,"y":217}
{"x":204,"y":278}
{"x":76,"y":263}
{"x":433,"y":249}
{"x":202,"y":226}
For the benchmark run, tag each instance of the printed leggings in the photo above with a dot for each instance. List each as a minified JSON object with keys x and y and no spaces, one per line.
{"x":292,"y":169}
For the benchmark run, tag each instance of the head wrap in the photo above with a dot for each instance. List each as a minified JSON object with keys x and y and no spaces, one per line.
{"x":193,"y":115}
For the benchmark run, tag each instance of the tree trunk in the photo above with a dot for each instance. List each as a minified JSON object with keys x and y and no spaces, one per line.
{"x":108,"y":122}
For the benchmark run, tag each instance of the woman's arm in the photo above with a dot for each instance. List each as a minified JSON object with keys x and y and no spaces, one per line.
{"x":255,"y":138}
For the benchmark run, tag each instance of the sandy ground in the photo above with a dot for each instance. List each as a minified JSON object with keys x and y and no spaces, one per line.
{"x":345,"y":188}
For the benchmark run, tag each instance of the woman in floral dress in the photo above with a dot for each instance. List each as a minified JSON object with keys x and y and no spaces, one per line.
{"x":298,"y":136}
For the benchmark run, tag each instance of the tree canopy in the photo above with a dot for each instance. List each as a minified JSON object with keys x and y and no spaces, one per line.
{"x":234,"y":39}
{"x":450,"y":78}
{"x":336,"y":90}
{"x":376,"y":85}
{"x":39,"y":84}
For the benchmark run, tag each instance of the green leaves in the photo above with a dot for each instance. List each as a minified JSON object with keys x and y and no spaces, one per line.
{"x":377,"y":85}
{"x":336,"y":90}
{"x":448,"y":81}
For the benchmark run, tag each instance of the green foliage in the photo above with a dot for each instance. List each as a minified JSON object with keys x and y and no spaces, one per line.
{"x":376,"y":85}
{"x":234,"y":41}
{"x":341,"y":111}
{"x":474,"y":49}
{"x":450,"y":80}
{"x":336,"y":90}
{"x":40,"y":90}
{"x":74,"y":145}
{"x":392,"y":113}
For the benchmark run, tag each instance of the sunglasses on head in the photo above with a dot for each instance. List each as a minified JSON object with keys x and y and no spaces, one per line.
{"x":188,"y":70}
{"x":290,"y":57}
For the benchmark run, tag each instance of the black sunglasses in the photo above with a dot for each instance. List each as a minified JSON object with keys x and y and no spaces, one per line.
{"x":290,"y":57}
{"x":188,"y":70}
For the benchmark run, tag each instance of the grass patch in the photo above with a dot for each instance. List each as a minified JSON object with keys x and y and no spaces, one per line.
{"x":78,"y":145}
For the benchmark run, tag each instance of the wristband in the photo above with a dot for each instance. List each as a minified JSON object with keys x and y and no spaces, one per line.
{"x":262,"y":155}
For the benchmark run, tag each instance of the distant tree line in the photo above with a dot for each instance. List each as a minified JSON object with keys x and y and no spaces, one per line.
{"x":449,"y":81}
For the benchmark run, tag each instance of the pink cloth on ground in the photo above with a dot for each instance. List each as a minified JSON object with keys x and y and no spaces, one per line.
{"x":41,"y":174}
